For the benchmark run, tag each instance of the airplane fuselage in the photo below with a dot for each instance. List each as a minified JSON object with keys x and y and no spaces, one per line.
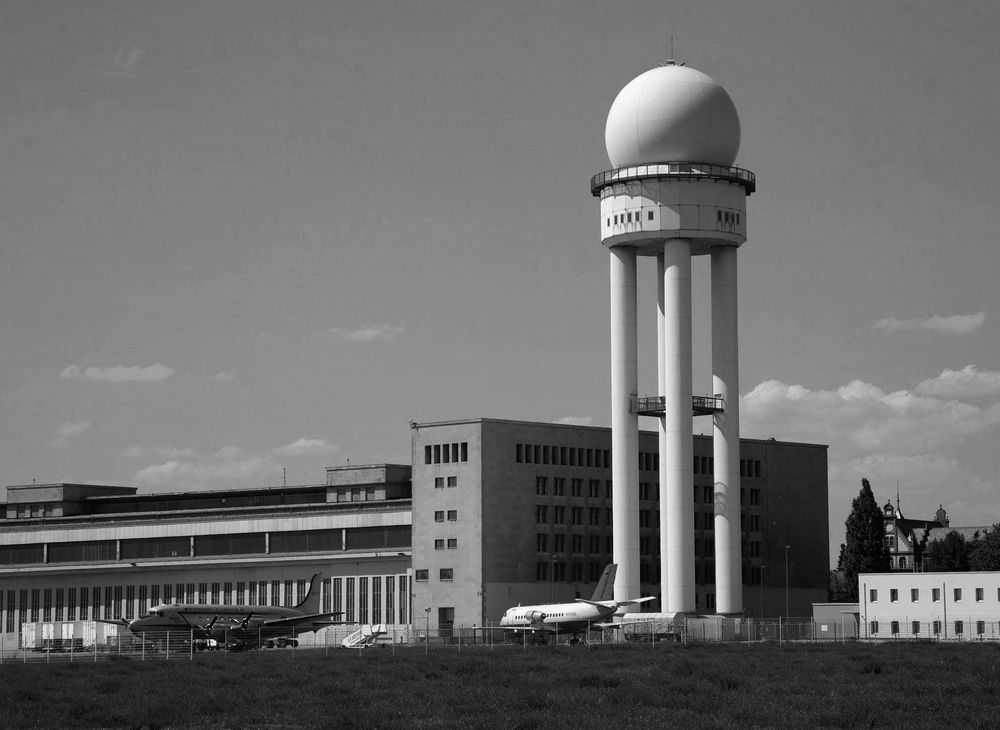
{"x":570,"y":618}
{"x":245,"y":624}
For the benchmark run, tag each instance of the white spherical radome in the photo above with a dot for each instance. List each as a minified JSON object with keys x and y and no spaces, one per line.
{"x":672,"y":114}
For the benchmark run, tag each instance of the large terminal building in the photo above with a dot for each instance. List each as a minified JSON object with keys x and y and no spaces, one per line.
{"x":491,"y":513}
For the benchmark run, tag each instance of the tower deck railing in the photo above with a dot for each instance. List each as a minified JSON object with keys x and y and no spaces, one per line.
{"x":655,"y":405}
{"x":673,"y":169}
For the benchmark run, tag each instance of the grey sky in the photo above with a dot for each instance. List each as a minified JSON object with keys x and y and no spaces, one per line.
{"x":241,"y":236}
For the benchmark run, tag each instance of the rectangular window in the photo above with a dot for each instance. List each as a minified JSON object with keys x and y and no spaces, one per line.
{"x":559,"y":487}
{"x":439,"y":544}
{"x":427,"y":454}
{"x":421,"y":574}
{"x":275,"y":592}
{"x":980,"y":628}
{"x":577,"y":544}
{"x":214,"y":595}
{"x":464,"y":449}
{"x":541,"y":485}
{"x":363,"y":593}
{"x":649,"y":215}
{"x":130,"y":602}
{"x":452,"y":515}
{"x":349,"y":601}
{"x":893,"y":595}
{"x":541,"y":542}
{"x":452,"y":481}
{"x":873,"y":627}
{"x":404,"y":593}
{"x":47,"y":604}
{"x":577,"y":515}
{"x":377,"y":598}
{"x":143,"y":601}
{"x":390,"y":598}
{"x":439,"y":515}
{"x":338,"y":595}
{"x":559,"y":515}
{"x":541,"y":514}
{"x":872,"y":595}
{"x":519,"y":453}
{"x":439,"y":482}
{"x":936,"y":627}
{"x":203,"y":593}
{"x":958,"y":594}
{"x":979,"y":595}
{"x":559,"y":543}
{"x":915,"y":628}
{"x":959,"y":628}
{"x":576,"y":486}
{"x":914,"y":594}
{"x":154,"y":595}
{"x":452,"y":543}
{"x":594,"y":490}
{"x":894,"y":628}
{"x":935,"y":595}
{"x":437,"y":453}
{"x":71,"y":604}
{"x":446,"y":574}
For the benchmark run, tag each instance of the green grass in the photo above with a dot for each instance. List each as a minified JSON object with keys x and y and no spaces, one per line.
{"x":683,"y":686}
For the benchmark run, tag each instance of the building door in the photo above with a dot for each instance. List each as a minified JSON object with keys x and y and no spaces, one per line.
{"x":446,"y":621}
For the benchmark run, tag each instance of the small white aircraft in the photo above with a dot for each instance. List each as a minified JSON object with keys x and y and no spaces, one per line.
{"x":571,"y":618}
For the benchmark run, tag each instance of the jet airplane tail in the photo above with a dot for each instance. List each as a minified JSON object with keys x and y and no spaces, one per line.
{"x":605,"y":590}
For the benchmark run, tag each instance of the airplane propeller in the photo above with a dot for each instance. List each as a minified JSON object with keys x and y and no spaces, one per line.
{"x":207,"y":628}
{"x":244,"y":623}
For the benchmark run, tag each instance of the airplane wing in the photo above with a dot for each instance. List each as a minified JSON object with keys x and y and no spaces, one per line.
{"x":636,"y":600}
{"x":313,"y":619}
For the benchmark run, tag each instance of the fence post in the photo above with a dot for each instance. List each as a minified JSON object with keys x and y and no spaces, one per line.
{"x":143,"y":646}
{"x":191,"y":645}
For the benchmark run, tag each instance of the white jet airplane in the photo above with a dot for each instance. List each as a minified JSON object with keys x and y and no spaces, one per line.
{"x":571,"y":618}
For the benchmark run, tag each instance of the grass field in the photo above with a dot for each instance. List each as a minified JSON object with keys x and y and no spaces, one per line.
{"x":671,"y":685}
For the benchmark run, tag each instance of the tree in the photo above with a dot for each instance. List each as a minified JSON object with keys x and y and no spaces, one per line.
{"x":865,"y":550}
{"x":984,"y":552}
{"x":949,"y":554}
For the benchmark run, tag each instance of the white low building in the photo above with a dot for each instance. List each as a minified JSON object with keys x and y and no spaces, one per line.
{"x":946,"y":606}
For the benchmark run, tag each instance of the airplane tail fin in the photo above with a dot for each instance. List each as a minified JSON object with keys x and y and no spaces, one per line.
{"x":310,"y":604}
{"x":605,"y":590}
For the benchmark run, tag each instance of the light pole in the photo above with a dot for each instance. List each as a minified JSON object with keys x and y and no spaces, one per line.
{"x":786,"y":582}
{"x":762,"y":569}
{"x":552,"y":577}
{"x":427,"y":629}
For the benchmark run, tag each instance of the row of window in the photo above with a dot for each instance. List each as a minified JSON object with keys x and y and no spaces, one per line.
{"x":452,"y":514}
{"x":451,"y":542}
{"x":562,"y":456}
{"x":351,"y":538}
{"x":935,"y":595}
{"x":724,"y":219}
{"x":90,"y":603}
{"x":917,"y":628}
{"x":648,"y":491}
{"x":445,"y":574}
{"x":446,"y":453}
{"x":440,"y":482}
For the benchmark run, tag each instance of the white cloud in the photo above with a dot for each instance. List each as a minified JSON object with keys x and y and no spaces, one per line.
{"x":306,"y":447}
{"x":576,"y":421}
{"x":119,"y":373}
{"x":370,"y":333}
{"x":160,"y":452}
{"x":970,"y":381}
{"x":900,"y":436}
{"x":67,"y":431}
{"x":959,"y":324}
{"x":227,"y":467}
{"x":863,"y":415}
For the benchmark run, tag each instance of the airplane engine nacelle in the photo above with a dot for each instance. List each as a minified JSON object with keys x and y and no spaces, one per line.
{"x":536,"y":616}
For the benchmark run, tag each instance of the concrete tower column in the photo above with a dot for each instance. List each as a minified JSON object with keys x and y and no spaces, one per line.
{"x":676,"y":460}
{"x":661,"y":384}
{"x":726,"y":431}
{"x":624,"y":423}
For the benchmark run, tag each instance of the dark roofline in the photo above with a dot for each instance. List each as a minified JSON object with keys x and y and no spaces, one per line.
{"x":415,"y":425}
